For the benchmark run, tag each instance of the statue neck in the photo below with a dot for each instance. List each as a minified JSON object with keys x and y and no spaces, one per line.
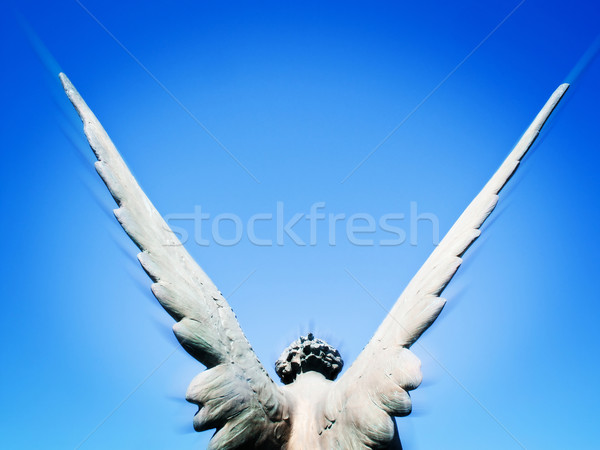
{"x":309,"y":385}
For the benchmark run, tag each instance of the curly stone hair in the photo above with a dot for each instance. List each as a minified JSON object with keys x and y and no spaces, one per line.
{"x":306,"y":354}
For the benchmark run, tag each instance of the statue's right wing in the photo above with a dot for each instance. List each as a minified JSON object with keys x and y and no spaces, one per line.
{"x":375,"y":387}
{"x":235,"y":395}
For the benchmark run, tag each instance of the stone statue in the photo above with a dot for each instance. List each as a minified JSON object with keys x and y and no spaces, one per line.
{"x":312,"y":410}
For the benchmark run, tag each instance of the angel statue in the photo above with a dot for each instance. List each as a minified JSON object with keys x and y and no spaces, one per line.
{"x":311,"y":410}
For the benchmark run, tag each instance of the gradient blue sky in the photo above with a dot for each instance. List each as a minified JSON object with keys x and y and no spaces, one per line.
{"x":300,"y":92}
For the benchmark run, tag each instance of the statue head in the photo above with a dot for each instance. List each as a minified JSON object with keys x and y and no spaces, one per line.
{"x":308,"y":354}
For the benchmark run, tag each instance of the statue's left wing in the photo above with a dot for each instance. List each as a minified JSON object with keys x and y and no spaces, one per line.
{"x":375,"y":387}
{"x":235,"y":395}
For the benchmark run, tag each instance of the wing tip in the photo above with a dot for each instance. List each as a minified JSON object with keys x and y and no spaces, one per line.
{"x":555,"y":99}
{"x":560,"y":92}
{"x":66,"y":83}
{"x":74,"y":96}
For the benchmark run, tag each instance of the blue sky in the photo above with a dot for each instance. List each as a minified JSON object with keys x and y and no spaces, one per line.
{"x":300,"y":93}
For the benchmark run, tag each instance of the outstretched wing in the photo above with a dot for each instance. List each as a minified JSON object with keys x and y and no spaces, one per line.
{"x":375,"y":387}
{"x":235,"y":395}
